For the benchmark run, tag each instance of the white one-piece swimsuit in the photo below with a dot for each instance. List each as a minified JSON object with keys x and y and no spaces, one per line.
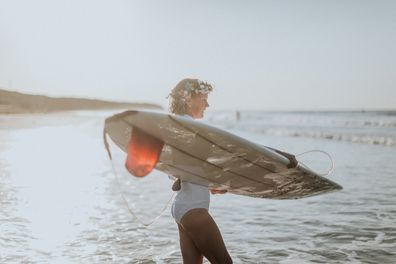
{"x":190,"y":196}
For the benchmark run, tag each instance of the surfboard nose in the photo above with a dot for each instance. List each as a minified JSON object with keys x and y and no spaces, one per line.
{"x":143,"y":153}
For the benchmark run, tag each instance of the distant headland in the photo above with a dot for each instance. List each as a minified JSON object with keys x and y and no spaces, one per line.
{"x":19,"y":103}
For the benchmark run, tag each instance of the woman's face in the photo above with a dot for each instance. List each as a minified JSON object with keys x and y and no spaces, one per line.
{"x":197,"y":105}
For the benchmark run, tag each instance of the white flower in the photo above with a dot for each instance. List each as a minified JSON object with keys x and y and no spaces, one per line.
{"x":189,"y":89}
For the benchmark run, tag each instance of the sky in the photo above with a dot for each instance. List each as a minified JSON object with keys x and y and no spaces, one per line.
{"x":259,"y":55}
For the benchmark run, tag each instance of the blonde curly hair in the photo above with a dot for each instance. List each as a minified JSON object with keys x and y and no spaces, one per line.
{"x":184,"y":90}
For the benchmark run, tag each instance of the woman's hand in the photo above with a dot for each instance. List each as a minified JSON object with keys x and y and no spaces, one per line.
{"x":292,"y":159}
{"x":214,"y":191}
{"x":176,"y":185}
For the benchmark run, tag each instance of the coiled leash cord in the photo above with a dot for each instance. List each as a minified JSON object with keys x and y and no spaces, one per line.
{"x":122,"y":193}
{"x":318,"y":151}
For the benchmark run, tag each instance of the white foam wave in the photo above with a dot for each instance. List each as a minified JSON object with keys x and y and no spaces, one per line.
{"x":374,"y":128}
{"x":364,"y":139}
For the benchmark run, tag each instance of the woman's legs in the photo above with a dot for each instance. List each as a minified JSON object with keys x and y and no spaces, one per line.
{"x":189,"y":251}
{"x":201,"y":230}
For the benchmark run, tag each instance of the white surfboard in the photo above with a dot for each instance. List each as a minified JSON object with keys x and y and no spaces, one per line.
{"x":205,"y":155}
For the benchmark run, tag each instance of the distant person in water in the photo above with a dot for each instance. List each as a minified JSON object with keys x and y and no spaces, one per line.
{"x":199,"y":235}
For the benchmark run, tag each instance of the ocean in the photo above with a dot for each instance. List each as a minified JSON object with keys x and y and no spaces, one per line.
{"x":61,"y":201}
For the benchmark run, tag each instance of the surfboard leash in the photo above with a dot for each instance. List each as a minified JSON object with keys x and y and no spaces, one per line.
{"x":126,"y":203}
{"x":320,"y":151}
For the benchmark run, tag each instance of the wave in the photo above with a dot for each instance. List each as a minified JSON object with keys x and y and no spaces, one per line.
{"x":370,"y":123}
{"x":383,"y":119}
{"x":388,"y":141}
{"x":372,"y":127}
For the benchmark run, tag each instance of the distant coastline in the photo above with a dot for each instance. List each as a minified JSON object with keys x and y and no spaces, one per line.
{"x":19,"y":103}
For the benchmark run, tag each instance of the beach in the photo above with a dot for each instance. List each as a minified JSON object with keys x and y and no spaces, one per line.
{"x":61,"y":201}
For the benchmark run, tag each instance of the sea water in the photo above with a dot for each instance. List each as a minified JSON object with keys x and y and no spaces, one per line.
{"x":61,"y":201}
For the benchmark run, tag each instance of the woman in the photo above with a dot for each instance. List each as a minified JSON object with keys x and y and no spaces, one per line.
{"x":198,"y":232}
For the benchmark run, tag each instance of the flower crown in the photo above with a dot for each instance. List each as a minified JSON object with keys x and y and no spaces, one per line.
{"x":189,"y":89}
{"x":203,"y":87}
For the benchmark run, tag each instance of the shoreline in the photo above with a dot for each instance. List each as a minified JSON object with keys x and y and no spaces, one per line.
{"x":19,"y":103}
{"x":19,"y":121}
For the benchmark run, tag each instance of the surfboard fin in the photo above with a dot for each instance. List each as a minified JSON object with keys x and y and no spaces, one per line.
{"x":292,"y":159}
{"x":143,"y":153}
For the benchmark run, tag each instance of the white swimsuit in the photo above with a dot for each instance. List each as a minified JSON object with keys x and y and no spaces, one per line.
{"x":189,"y":197}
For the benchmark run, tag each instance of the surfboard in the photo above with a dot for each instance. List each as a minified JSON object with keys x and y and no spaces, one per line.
{"x":202,"y":154}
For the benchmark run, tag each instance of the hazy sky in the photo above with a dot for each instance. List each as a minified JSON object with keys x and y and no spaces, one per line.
{"x":259,"y":54}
